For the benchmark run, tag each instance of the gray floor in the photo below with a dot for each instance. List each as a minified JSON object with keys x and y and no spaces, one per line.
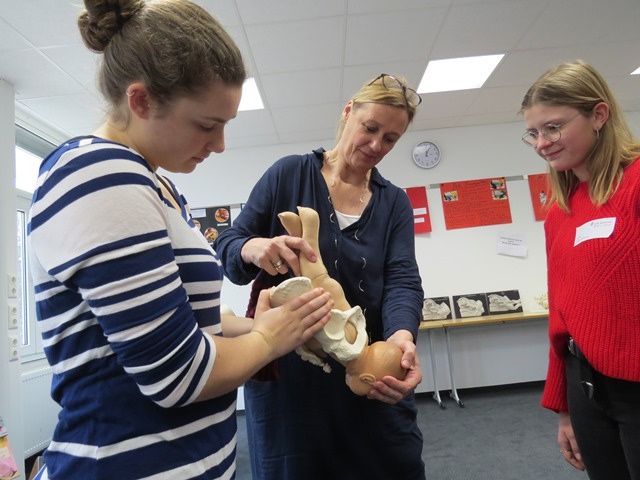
{"x":502,"y":433}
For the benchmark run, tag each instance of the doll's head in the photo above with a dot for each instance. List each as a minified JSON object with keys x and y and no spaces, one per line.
{"x":376,"y":361}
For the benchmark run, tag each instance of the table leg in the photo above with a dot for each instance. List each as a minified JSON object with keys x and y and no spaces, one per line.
{"x":436,"y":392}
{"x":454,"y":392}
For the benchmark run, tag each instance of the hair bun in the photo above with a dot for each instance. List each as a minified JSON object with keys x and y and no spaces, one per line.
{"x":102,"y":19}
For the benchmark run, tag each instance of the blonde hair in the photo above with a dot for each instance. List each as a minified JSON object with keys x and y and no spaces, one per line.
{"x":578,"y":85}
{"x":388,"y":92}
{"x":175,"y":47}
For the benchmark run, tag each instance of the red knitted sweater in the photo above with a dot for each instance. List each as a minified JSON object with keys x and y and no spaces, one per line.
{"x":594,"y":287}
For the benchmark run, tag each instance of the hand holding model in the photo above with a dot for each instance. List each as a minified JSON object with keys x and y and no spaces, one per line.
{"x":344,"y":337}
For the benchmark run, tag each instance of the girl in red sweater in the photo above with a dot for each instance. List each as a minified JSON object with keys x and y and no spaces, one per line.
{"x":593,"y":259}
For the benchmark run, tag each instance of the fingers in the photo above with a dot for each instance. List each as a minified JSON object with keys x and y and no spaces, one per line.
{"x":567,"y":442}
{"x":288,"y":250}
{"x":277,"y":265}
{"x":387,"y":390}
{"x":409,"y":356}
{"x":391,"y":390}
{"x":313,"y":309}
{"x":573,"y":458}
{"x":277,"y":255}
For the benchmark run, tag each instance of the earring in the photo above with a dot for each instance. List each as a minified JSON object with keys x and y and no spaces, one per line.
{"x":131,"y":94}
{"x":597,"y":134}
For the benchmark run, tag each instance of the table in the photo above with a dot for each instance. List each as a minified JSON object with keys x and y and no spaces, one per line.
{"x":447,"y":325}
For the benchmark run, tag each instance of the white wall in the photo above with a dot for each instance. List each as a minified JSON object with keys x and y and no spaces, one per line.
{"x":11,"y":409}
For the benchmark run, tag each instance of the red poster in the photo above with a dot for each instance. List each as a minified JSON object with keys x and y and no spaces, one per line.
{"x":540,"y":189}
{"x":475,"y":203}
{"x":418,"y":198}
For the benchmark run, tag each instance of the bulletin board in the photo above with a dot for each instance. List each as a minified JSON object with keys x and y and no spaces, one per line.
{"x":474,"y":203}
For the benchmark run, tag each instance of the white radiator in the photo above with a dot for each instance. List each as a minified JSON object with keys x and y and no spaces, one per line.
{"x":40,"y":411}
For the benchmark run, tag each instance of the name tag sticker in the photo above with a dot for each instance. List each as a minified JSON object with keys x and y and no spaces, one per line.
{"x":601,"y":228}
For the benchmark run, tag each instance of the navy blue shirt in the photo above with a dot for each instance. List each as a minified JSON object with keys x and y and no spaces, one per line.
{"x":373,"y":259}
{"x":307,"y":423}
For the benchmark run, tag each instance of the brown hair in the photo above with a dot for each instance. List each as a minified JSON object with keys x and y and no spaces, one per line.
{"x":175,"y":47}
{"x":578,"y":85}
{"x":377,"y":91}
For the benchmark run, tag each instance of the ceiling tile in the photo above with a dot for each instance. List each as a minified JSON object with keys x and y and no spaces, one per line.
{"x":392,"y":37}
{"x":34,"y":75}
{"x":44,"y":22}
{"x":252,"y":141}
{"x":308,"y":118}
{"x":10,"y":39}
{"x":497,"y":100}
{"x":442,"y":104}
{"x":304,"y":45}
{"x":470,"y":30}
{"x":559,"y":24}
{"x":309,"y":87}
{"x":249,"y":123}
{"x":77,"y":61}
{"x":379,"y":6}
{"x":258,"y":11}
{"x":225,"y":11}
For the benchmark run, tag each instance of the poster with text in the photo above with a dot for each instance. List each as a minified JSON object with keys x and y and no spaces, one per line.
{"x":418,"y":198}
{"x":475,"y":203}
{"x":540,"y":189}
{"x":212,"y":220}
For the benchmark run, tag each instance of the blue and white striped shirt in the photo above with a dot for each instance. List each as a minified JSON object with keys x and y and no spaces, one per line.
{"x":124,"y":284}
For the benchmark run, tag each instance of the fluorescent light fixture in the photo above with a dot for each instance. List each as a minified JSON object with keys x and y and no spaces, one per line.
{"x":251,"y":99}
{"x":636,"y":71}
{"x":457,"y":73}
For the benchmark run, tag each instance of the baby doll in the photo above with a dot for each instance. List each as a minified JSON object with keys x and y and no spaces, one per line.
{"x":344,"y":337}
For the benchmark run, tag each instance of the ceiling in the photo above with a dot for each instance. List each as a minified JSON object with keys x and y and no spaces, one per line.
{"x":309,"y":56}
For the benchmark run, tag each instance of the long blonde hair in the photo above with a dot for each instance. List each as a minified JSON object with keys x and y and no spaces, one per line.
{"x":578,"y":85}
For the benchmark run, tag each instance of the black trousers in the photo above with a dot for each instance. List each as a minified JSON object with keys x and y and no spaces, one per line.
{"x":607,"y":425}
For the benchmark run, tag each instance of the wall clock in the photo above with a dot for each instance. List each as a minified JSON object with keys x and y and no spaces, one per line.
{"x":426,"y":154}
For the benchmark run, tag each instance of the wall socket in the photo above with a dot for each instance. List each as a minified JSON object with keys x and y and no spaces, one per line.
{"x":13,"y":317}
{"x":14,"y":353}
{"x":12,"y":285}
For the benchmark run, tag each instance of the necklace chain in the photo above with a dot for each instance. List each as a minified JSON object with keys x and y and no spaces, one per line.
{"x":365,"y":187}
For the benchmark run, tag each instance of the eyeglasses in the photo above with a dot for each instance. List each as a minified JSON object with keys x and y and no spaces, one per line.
{"x":410,"y":95}
{"x":550,"y":132}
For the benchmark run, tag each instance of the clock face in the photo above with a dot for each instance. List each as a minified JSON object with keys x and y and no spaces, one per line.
{"x":426,"y":154}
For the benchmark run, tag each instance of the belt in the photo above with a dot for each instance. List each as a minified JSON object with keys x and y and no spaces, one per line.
{"x":586,"y":370}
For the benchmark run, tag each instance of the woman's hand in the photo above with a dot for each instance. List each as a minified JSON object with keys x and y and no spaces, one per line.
{"x":288,"y":326}
{"x":391,"y":390}
{"x":567,"y":442}
{"x":274,"y":332}
{"x":281,"y":252}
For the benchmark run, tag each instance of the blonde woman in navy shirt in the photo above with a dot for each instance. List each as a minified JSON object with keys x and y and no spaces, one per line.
{"x":303,"y":422}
